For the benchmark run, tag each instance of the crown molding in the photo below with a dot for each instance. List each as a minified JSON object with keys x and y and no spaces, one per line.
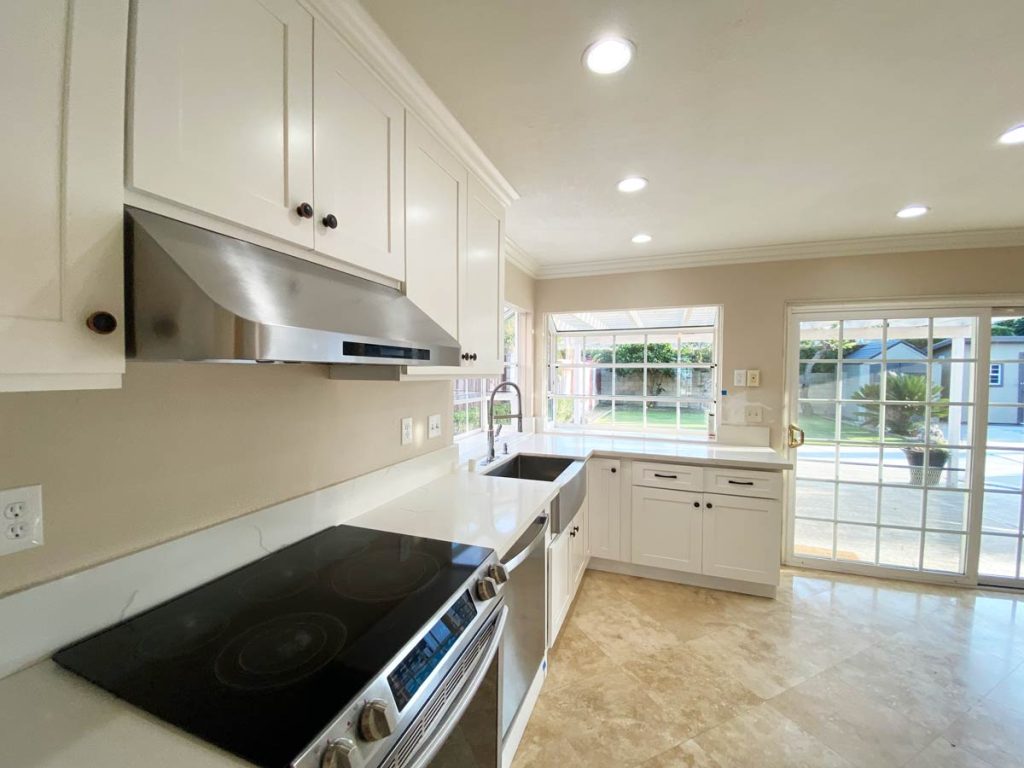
{"x":355,"y":25}
{"x":521,"y":259}
{"x":865,"y":246}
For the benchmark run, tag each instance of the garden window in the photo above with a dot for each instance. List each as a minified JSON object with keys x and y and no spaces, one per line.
{"x":644,"y":370}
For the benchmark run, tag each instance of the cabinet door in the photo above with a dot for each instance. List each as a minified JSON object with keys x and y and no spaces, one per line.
{"x":62,"y":222}
{"x":603,"y":494}
{"x":667,"y":529}
{"x":578,"y":545}
{"x":359,"y":161}
{"x":480,"y":323}
{"x":742,"y":538}
{"x":222,"y":110}
{"x":435,"y":225}
{"x":558,"y":584}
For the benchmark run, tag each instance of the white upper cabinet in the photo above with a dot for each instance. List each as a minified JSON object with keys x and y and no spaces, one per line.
{"x":436,"y":198}
{"x":482,"y":302}
{"x":61,"y":223}
{"x":222,"y":110}
{"x":359,"y":152}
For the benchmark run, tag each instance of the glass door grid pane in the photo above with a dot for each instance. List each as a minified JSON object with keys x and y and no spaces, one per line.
{"x":885,"y":475}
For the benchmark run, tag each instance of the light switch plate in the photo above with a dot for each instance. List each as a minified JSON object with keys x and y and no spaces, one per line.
{"x":21,"y":518}
{"x":434,"y":426}
{"x":407,"y":430}
{"x":739,"y":378}
{"x":753,"y":377}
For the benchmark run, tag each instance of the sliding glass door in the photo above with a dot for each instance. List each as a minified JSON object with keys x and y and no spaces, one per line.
{"x":1002,"y":523}
{"x":886,"y":403}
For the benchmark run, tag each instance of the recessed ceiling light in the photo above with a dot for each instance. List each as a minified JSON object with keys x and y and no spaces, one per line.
{"x":608,"y":55}
{"x":912,"y":211}
{"x":641,"y":239}
{"x":632,"y":184}
{"x":1013,"y":136}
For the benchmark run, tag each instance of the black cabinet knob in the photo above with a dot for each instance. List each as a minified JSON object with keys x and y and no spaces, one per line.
{"x":473,"y":356}
{"x":305,"y":210}
{"x":696,"y":505}
{"x":465,"y":355}
{"x":102,"y":323}
{"x":709,"y":505}
{"x":614,"y":470}
{"x":330,"y":221}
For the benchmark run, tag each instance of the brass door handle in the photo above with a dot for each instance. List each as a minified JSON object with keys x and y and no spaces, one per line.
{"x":796,"y":436}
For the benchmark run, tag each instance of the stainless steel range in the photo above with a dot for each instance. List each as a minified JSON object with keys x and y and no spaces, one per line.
{"x":350,"y":649}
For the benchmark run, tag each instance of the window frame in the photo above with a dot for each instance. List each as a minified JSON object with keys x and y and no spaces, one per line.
{"x":710,"y":403}
{"x":520,"y":366}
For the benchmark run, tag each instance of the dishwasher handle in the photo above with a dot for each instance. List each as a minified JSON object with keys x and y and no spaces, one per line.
{"x":526,"y":544}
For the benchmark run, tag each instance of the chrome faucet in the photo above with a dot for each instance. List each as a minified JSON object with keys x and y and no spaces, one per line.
{"x":491,"y":433}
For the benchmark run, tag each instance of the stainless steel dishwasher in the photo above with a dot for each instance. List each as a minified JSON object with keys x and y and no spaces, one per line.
{"x":522,"y":649}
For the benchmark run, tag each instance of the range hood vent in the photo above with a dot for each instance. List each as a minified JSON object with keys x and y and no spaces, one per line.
{"x":196,"y":295}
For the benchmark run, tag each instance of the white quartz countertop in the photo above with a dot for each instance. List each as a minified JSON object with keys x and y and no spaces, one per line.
{"x":465,"y":507}
{"x":706,"y":454}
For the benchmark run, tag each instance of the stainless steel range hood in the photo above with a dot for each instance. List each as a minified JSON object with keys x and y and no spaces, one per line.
{"x":197,"y":295}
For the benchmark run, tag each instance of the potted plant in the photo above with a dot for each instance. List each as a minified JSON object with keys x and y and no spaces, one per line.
{"x":909,"y":422}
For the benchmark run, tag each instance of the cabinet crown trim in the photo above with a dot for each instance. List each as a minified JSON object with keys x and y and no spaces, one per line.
{"x":355,"y":25}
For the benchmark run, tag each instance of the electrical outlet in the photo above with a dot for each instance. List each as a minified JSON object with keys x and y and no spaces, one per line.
{"x":753,"y":414}
{"x":407,"y":430}
{"x":434,"y":426}
{"x":739,"y":378}
{"x":21,"y":518}
{"x":753,"y":378}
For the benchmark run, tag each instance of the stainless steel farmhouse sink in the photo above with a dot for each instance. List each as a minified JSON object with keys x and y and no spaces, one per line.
{"x":569,"y":474}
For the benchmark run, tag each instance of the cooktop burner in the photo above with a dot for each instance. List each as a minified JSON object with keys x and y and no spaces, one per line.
{"x":260,"y":660}
{"x":383,"y":575}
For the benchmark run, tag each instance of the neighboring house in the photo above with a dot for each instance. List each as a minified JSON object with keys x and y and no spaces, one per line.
{"x":1005,"y":377}
{"x":899,"y":352}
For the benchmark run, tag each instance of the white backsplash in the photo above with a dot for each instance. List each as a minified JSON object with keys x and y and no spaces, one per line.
{"x":40,"y":620}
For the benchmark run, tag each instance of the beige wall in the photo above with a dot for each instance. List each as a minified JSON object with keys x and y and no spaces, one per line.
{"x":182,"y":447}
{"x":754,"y":297}
{"x":520,"y":288}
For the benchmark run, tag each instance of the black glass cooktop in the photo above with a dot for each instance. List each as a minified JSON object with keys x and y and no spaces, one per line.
{"x":259,"y":661}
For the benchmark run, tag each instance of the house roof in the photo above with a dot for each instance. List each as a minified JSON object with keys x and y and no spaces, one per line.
{"x":995,"y":340}
{"x":873,"y":349}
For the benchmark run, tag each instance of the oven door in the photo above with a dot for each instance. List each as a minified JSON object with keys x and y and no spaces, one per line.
{"x":460,"y":726}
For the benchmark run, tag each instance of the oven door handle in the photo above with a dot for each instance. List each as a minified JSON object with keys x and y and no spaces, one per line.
{"x":458,"y":708}
{"x":514,"y":560}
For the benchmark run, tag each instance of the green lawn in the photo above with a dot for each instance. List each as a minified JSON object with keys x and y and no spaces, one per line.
{"x":824,"y":428}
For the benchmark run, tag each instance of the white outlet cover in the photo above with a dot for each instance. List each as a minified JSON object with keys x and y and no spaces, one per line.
{"x":407,"y":430}
{"x":21,"y":518}
{"x":739,"y":378}
{"x":434,"y":426}
{"x":753,"y":378}
{"x":753,"y":414}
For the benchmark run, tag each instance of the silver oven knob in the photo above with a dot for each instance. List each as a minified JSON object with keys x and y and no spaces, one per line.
{"x":486,"y":588}
{"x":498,"y":573}
{"x":376,"y":721}
{"x":341,"y":753}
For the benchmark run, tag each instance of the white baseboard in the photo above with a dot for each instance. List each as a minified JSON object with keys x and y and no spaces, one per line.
{"x":678,"y":577}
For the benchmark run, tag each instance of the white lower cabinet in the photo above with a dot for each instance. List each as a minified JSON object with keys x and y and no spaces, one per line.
{"x":568,"y":556}
{"x":604,"y":483}
{"x":741,"y":538}
{"x":734,"y":536}
{"x":558,"y":583}
{"x":667,"y":529}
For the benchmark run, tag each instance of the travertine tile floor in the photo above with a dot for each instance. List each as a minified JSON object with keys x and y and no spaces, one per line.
{"x":839,"y":671}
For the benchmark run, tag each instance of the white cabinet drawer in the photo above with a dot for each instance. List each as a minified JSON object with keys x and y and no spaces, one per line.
{"x":743,"y":482}
{"x":671,"y":476}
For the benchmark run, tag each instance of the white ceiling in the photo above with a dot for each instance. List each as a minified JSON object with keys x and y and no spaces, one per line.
{"x":758,"y":123}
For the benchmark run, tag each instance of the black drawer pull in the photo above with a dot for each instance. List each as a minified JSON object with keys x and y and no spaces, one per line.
{"x":667,"y":477}
{"x":741,"y":482}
